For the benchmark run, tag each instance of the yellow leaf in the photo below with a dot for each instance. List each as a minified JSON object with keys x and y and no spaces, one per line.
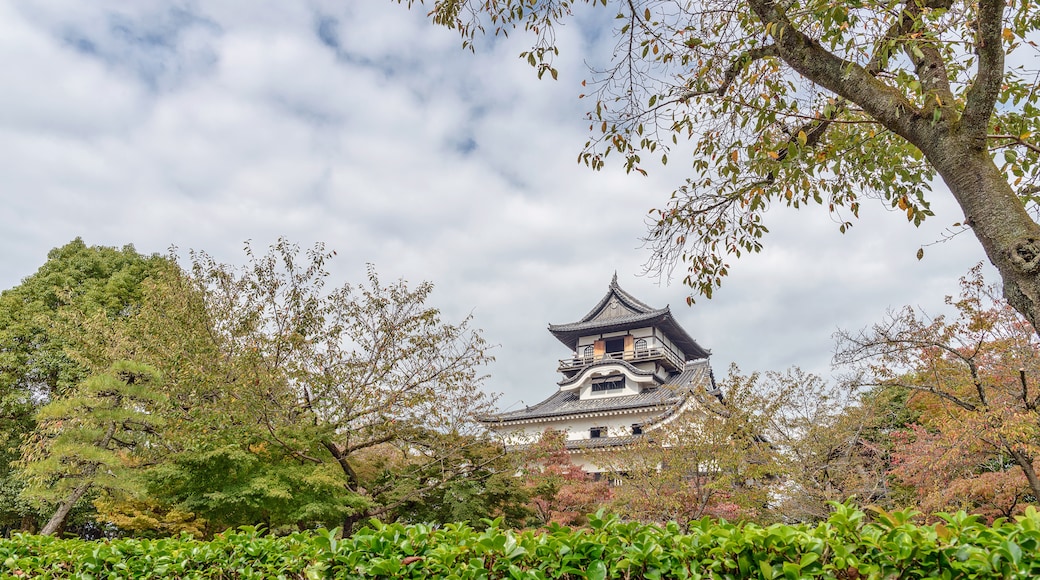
{"x":802,"y":138}
{"x":774,"y":155}
{"x":735,"y":156}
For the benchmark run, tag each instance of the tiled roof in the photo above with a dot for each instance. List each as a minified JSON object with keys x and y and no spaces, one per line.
{"x":665,"y":398}
{"x":630,"y":302}
{"x":591,"y":443}
{"x":624,"y":321}
{"x":694,"y":374}
{"x":607,"y":362}
{"x":597,"y":442}
{"x":564,"y":403}
{"x":632,"y":313}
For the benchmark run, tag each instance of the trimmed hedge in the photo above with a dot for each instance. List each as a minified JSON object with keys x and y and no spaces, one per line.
{"x":847,"y":546}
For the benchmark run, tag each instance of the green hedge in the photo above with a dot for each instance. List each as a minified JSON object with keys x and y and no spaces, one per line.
{"x":844,"y":547}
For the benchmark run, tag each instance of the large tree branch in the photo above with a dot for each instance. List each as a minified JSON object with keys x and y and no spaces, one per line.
{"x":982,"y":96}
{"x":1025,"y":461}
{"x":930,"y":389}
{"x":929,"y":65}
{"x":341,"y":457}
{"x":844,"y":78}
{"x":385,"y":438}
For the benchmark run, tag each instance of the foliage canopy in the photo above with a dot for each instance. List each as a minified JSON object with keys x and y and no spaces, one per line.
{"x":808,"y":103}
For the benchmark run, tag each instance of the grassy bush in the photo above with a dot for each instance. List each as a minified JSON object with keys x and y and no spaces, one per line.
{"x":847,"y":546}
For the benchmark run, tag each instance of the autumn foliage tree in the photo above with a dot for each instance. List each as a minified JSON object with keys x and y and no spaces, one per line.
{"x":716,"y":458}
{"x":809,"y":103}
{"x":560,"y":491}
{"x":975,"y":382}
{"x":837,"y":444}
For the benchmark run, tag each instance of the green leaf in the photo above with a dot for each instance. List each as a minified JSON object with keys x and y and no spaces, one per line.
{"x":597,"y":571}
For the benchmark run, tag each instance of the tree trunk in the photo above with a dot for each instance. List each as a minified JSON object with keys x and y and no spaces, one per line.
{"x":1026,"y":463}
{"x":57,"y":521}
{"x":339,"y":453}
{"x":998,"y":217}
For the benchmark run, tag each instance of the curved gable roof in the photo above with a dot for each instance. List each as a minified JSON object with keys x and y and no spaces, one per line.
{"x":619,"y":310}
{"x":592,"y":367}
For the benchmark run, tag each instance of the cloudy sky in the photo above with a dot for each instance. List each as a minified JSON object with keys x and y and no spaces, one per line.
{"x":359,"y":124}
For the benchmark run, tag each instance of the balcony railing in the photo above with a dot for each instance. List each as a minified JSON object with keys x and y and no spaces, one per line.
{"x":652,"y":351}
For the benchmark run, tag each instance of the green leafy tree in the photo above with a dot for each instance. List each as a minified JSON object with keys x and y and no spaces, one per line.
{"x":488,"y":488}
{"x":235,"y":479}
{"x":326,"y":374}
{"x":36,"y":364}
{"x":88,"y":439}
{"x":809,"y":103}
{"x":274,"y":389}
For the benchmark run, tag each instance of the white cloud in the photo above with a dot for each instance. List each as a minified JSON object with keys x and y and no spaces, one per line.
{"x":365,"y":127}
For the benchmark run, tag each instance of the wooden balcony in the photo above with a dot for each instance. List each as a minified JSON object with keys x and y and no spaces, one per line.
{"x":651,"y":352}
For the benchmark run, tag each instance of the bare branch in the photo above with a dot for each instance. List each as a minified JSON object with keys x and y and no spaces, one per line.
{"x":1018,"y":140}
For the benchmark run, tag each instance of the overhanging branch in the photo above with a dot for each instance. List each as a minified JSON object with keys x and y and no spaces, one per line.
{"x":983,"y":93}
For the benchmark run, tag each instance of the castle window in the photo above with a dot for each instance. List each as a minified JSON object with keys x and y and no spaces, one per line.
{"x":588,"y":352}
{"x":637,"y":429}
{"x":615,"y":345}
{"x":597,"y":432}
{"x":611,"y":383}
{"x":641,"y":347}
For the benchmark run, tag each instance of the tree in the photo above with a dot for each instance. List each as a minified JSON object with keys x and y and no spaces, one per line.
{"x":974,"y":380}
{"x":560,"y":491}
{"x":716,"y":459}
{"x":36,"y":365}
{"x":277,"y":394}
{"x":489,"y":489}
{"x":87,"y":439}
{"x":327,"y":375}
{"x":839,"y":445}
{"x":814,"y":102}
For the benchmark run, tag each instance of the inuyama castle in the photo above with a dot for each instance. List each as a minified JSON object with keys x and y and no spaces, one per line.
{"x":632,"y":369}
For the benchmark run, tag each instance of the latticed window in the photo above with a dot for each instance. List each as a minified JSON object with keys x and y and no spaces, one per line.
{"x":640,"y":347}
{"x":611,"y":383}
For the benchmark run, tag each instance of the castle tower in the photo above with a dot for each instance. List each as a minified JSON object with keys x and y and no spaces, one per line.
{"x":632,"y":368}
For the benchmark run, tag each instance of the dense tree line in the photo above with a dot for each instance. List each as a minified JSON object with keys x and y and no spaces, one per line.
{"x":153,"y":398}
{"x":142,"y":397}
